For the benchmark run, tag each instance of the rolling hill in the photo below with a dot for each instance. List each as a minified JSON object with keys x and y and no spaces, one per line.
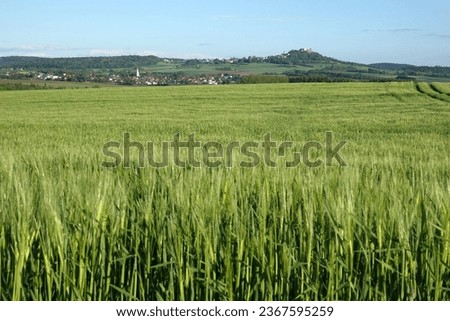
{"x":298,"y":65}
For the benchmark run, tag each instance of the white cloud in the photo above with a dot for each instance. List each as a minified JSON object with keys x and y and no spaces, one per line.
{"x":55,"y":51}
{"x":118,"y":52}
{"x":39,"y":51}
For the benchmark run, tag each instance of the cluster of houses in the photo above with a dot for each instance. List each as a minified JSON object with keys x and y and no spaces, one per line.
{"x":176,"y":79}
{"x":137,"y":79}
{"x":50,"y":76}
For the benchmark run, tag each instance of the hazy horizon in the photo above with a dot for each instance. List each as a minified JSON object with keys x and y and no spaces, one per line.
{"x":407,"y":32}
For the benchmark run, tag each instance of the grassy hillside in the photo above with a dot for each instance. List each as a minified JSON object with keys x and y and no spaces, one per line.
{"x":377,"y":229}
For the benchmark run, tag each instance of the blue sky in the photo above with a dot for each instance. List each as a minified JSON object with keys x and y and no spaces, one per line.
{"x":402,"y":31}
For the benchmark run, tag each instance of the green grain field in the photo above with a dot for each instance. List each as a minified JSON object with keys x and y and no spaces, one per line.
{"x":376,"y":229}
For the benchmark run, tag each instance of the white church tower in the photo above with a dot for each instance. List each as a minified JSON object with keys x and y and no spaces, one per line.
{"x":138,"y":75}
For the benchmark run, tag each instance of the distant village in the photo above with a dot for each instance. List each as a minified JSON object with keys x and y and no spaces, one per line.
{"x":137,"y":79}
{"x":129,"y":77}
{"x":173,"y":79}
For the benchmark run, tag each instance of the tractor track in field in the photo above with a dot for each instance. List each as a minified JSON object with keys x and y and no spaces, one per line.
{"x":432,"y":92}
{"x":436,"y":89}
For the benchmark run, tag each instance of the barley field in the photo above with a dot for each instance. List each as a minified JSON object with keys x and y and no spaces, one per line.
{"x":376,"y":229}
